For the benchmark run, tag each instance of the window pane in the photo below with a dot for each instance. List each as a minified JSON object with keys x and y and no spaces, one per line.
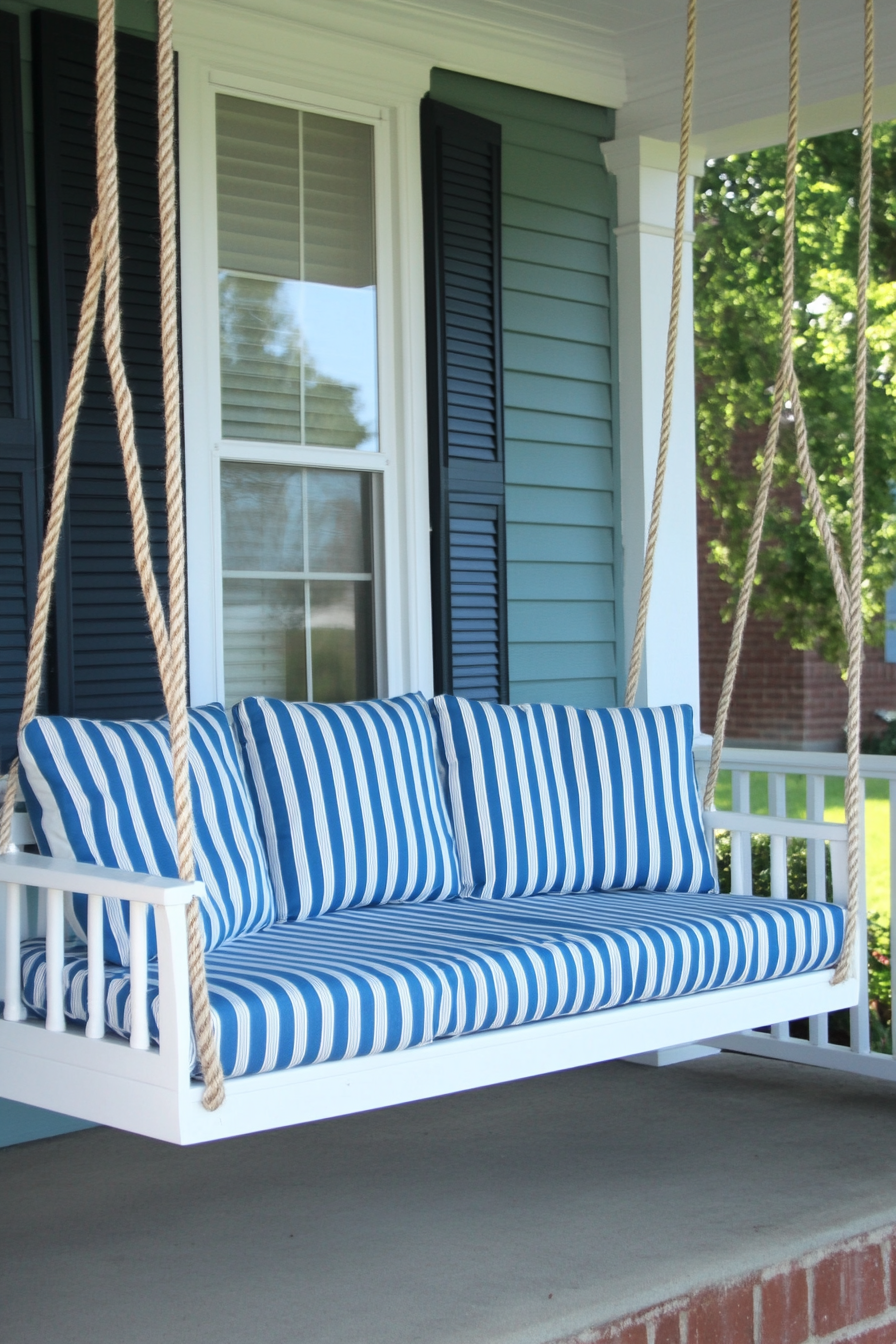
{"x":338,"y":179}
{"x":258,"y":188}
{"x":296,"y":276}
{"x":342,"y":641}
{"x":297,"y":637}
{"x":338,"y":522}
{"x":339,"y":330}
{"x":261,"y":517}
{"x":261,"y":361}
{"x":264,"y":639}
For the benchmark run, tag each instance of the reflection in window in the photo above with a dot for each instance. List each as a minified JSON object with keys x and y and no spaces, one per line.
{"x":298,"y":583}
{"x":297,"y":284}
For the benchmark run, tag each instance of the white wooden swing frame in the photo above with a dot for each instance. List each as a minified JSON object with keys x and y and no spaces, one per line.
{"x":148,"y":1090}
{"x":95,"y":1075}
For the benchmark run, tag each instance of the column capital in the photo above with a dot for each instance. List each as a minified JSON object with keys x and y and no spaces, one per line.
{"x":641,"y":151}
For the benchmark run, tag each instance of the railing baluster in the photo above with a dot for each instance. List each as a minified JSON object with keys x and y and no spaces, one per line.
{"x":777,"y":806}
{"x":741,"y":848}
{"x":816,"y":882}
{"x":859,"y":1024}
{"x":816,"y":876}
{"x":96,"y":970}
{"x":139,"y":977}
{"x":13,"y":1008}
{"x":55,"y":960}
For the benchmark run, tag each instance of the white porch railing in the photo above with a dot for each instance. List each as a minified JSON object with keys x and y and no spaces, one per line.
{"x":779,"y":1042}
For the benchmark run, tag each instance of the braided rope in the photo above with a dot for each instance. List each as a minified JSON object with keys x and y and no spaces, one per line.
{"x":105,"y":259}
{"x":176,"y":688}
{"x":107,"y":191}
{"x":848,"y":591}
{"x":47,"y":570}
{"x":746,"y":590}
{"x":783,"y":387}
{"x":636,"y":657}
{"x":853,"y":787}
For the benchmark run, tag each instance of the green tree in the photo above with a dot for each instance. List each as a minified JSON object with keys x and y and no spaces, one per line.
{"x":737,"y":280}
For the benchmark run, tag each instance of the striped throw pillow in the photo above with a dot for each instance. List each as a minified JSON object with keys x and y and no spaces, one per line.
{"x":349,"y":802}
{"x":102,"y":792}
{"x":548,"y":798}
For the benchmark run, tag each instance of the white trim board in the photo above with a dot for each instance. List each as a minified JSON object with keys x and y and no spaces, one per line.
{"x":400,"y":41}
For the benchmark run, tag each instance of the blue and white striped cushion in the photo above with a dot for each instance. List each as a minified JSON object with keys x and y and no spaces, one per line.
{"x":366,"y":981}
{"x":349,"y":802}
{"x":548,"y":798}
{"x":102,"y":792}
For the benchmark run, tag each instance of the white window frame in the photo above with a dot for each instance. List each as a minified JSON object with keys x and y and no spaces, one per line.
{"x":402,"y":604}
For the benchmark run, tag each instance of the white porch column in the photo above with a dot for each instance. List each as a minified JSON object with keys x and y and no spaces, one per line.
{"x":645,"y":173}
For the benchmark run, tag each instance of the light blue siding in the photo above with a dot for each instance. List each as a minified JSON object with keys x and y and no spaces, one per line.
{"x":561,"y":494}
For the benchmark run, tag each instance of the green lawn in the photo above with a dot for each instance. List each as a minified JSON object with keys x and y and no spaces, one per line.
{"x":877,"y":823}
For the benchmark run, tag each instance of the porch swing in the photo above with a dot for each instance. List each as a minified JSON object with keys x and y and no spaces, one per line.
{"x":398,"y":898}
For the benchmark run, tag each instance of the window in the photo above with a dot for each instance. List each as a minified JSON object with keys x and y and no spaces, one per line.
{"x":298,"y":328}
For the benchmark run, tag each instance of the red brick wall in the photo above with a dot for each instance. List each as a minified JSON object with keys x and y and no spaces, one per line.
{"x":781,"y":695}
{"x":844,"y":1293}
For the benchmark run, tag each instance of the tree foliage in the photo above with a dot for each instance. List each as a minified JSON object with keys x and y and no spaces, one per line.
{"x":737,"y":279}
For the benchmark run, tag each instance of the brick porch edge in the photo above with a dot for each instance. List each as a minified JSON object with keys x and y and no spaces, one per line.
{"x":843,"y":1293}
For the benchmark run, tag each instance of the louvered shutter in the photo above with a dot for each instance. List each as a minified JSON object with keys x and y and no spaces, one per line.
{"x":102,"y":661}
{"x":462,"y":222}
{"x":19,"y":479}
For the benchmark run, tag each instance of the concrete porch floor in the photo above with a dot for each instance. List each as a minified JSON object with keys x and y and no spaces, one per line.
{"x":514,"y":1215}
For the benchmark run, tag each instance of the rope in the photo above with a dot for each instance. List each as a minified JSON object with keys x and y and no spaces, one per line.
{"x":783,"y":388}
{"x":659,"y":484}
{"x":853,"y":788}
{"x":56,"y":516}
{"x":105,"y":258}
{"x":848,"y":591}
{"x":107,"y":191}
{"x":175,"y":672}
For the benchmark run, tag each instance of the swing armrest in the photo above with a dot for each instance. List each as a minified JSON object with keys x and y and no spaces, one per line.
{"x":169,"y":896}
{"x":33,"y":870}
{"x":743,"y":825}
{"x":794,"y":828}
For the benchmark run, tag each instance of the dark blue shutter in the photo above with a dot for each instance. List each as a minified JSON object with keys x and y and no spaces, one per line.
{"x":462,"y":222}
{"x":102,"y":660}
{"x":19,"y":464}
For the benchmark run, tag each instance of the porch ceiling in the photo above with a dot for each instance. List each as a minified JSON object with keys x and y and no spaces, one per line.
{"x":628,"y":53}
{"x":742,"y":59}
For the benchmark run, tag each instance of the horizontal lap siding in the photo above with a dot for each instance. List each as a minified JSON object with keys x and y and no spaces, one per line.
{"x":560,"y":468}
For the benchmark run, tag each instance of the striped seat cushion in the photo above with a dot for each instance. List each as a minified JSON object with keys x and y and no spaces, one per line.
{"x":102,"y":792}
{"x":349,"y":802}
{"x":548,"y":798}
{"x":365,"y":981}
